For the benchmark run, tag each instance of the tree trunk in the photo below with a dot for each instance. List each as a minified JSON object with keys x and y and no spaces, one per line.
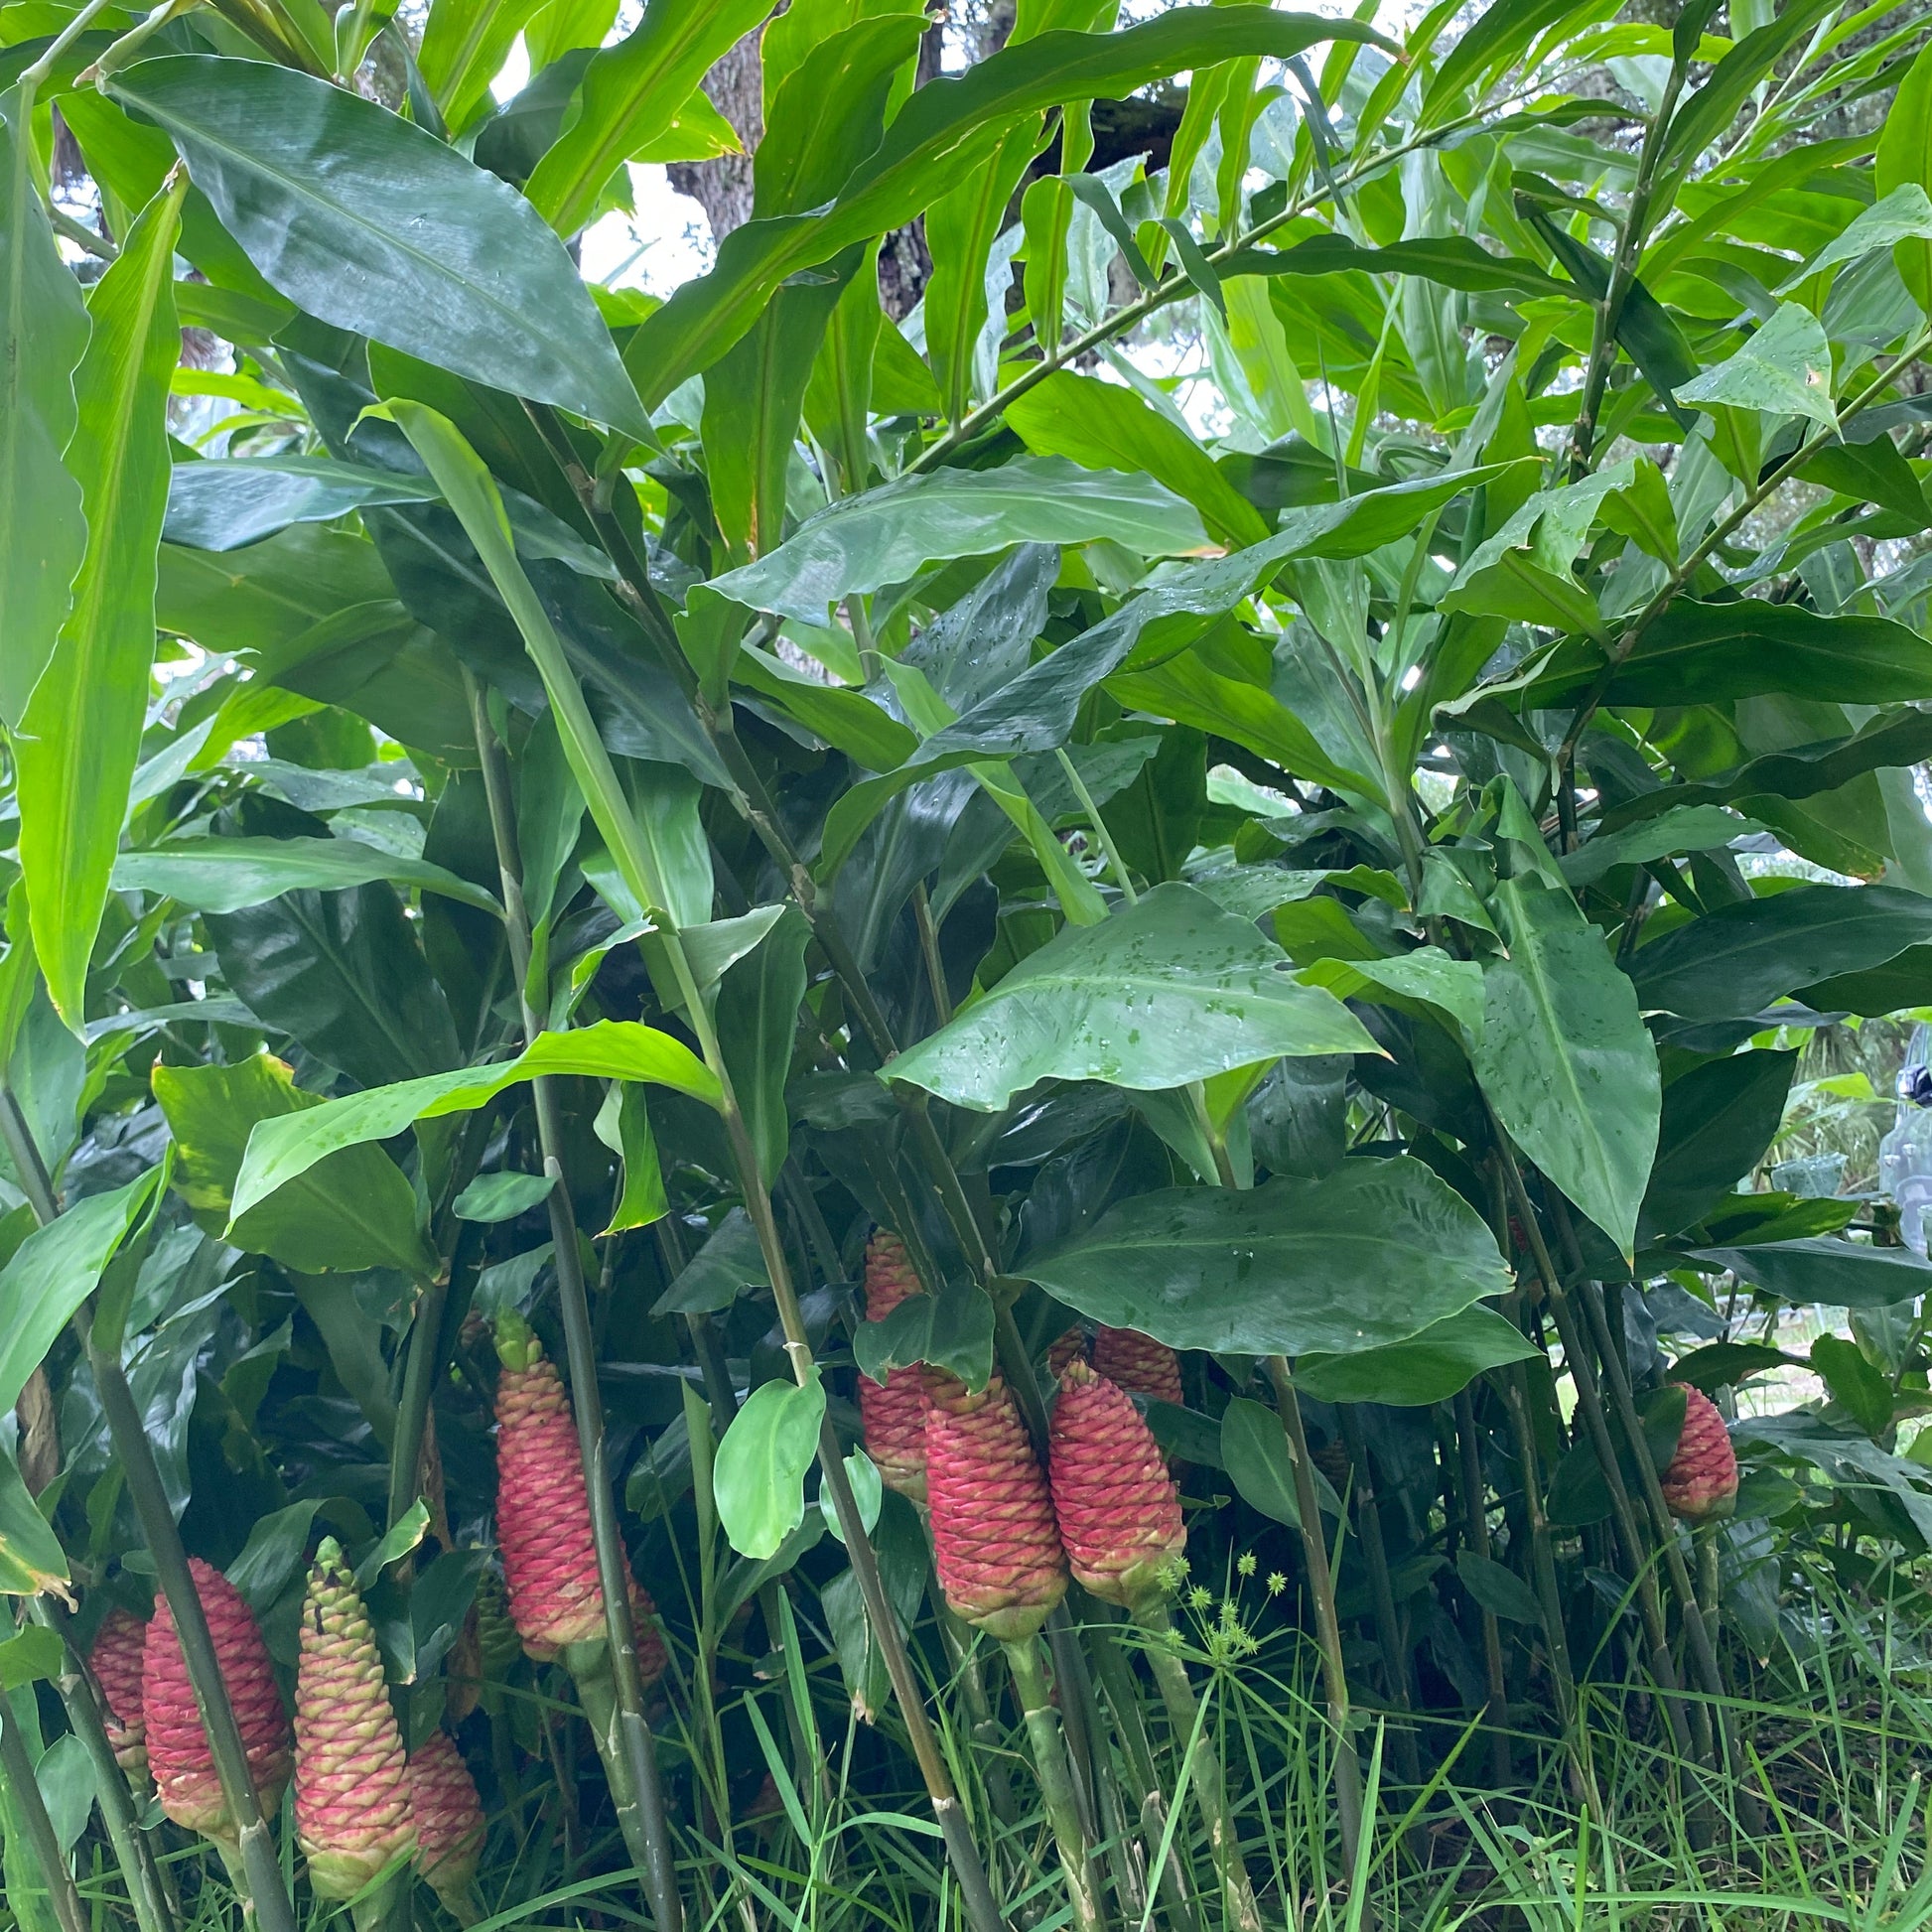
{"x":723,"y":187}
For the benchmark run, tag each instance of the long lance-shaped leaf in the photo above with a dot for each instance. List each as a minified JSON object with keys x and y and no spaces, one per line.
{"x":947,"y":130}
{"x":43,"y":333}
{"x":80,"y":736}
{"x":282,"y":1149}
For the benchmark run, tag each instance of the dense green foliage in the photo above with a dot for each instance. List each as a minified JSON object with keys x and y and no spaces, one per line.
{"x":1294,"y":763}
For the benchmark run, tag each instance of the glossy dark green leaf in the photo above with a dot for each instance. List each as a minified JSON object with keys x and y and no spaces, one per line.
{"x":1839,"y":1274}
{"x":949,"y":127}
{"x":1741,"y":957}
{"x":730,"y":1261}
{"x":1727,"y":1364}
{"x":493,"y":1197}
{"x":226,"y":874}
{"x":1499,"y":1589}
{"x":352,"y":1212}
{"x":1564,"y":1061}
{"x":759,"y":1000}
{"x":378,"y":228}
{"x":1708,"y":653}
{"x":343,"y":973}
{"x":1429,"y":1367}
{"x":1255,"y":1454}
{"x":1451,"y":261}
{"x":43,"y":332}
{"x":1685,"y":828}
{"x":951,"y":1331}
{"x":1165,"y":992}
{"x":889,"y":534}
{"x":1855,"y":1384}
{"x":1785,"y":368}
{"x":224,"y":504}
{"x":1371,"y":1253}
{"x":1717,"y":1120}
{"x":31,"y":1557}
{"x":79,"y":735}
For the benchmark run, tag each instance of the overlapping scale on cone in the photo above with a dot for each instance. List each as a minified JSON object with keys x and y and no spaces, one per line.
{"x":1139,"y":1365}
{"x":448,"y":1817}
{"x":179,"y":1757}
{"x":893,"y":1413}
{"x":1118,"y":1509}
{"x":1702,"y":1480}
{"x":355,"y":1814}
{"x":995,"y":1542}
{"x":115,"y":1661}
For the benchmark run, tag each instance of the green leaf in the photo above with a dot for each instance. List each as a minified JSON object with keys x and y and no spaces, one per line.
{"x":868,"y":1492}
{"x":1711,"y":654}
{"x":630,"y":96}
{"x":1841,"y":1274}
{"x":757,"y":1021}
{"x":54,"y":1270}
{"x":1855,"y":1384}
{"x":493,"y":1197}
{"x":225,"y":504}
{"x":272,"y":1557}
{"x":402,"y":1537}
{"x":1685,"y":828}
{"x":1497,"y":1588}
{"x":1727,"y":1364}
{"x":378,"y":228}
{"x":952,"y":1332}
{"x":1255,"y":1454}
{"x":79,"y":737}
{"x":644,"y":1200}
{"x":1904,"y":159}
{"x":1430,"y":1367}
{"x":34,"y":1654}
{"x":1741,"y":957}
{"x":947,"y":129}
{"x":282,"y":1151}
{"x":890,"y":534}
{"x":1718,"y":1121}
{"x":1902,"y":214}
{"x":1784,"y":367}
{"x":1565,"y":1061}
{"x":1105,"y":426}
{"x":352,"y":1212}
{"x":1165,"y":992}
{"x":31,"y":1557}
{"x":43,"y":334}
{"x":1451,"y":261}
{"x":465,"y":46}
{"x":758,"y":1477}
{"x":1371,"y":1253}
{"x":730,"y":1261}
{"x":226,"y":874}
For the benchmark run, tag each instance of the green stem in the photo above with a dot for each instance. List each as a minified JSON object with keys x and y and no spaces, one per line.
{"x":81,"y":1697}
{"x":1210,"y":1786}
{"x":1388,"y":1626}
{"x":631,"y":1753}
{"x":420,"y":1375}
{"x":1475,"y":1529}
{"x":263,"y":1885}
{"x":25,"y":1789}
{"x":1055,"y":1783}
{"x":1327,"y":1627}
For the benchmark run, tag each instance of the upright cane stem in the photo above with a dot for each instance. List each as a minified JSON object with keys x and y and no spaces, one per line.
{"x":25,"y":1789}
{"x":624,"y":1737}
{"x":1055,"y":1783}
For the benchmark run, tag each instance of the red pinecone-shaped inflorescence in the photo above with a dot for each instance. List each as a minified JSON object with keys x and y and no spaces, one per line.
{"x":1118,"y":1509}
{"x":179,"y":1757}
{"x":354,"y":1810}
{"x":995,"y":1542}
{"x":543,"y":1514}
{"x":1702,"y":1480}
{"x":448,"y":1817}
{"x":1139,"y":1365}
{"x":115,"y":1661}
{"x":1068,"y":1348}
{"x":893,"y":1413}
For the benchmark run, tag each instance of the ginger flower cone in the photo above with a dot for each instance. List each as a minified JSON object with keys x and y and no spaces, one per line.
{"x":179,"y":1759}
{"x":355,"y":1813}
{"x":1139,"y":1365}
{"x":893,"y":1413}
{"x":115,"y":1660}
{"x":449,"y":1823}
{"x":1118,"y":1509}
{"x":995,"y":1542}
{"x":1701,"y":1484}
